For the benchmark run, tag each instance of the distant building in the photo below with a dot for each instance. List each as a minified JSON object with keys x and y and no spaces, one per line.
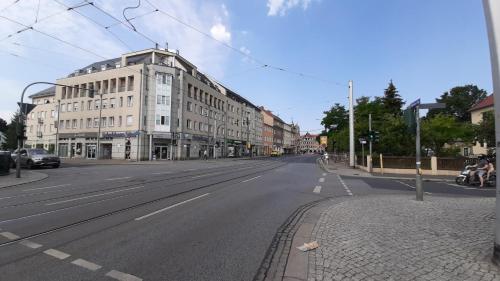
{"x":3,"y":139}
{"x":476,"y":112}
{"x":309,"y":144}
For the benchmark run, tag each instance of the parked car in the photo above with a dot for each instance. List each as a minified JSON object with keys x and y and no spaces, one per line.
{"x":275,"y":153}
{"x":36,"y":157}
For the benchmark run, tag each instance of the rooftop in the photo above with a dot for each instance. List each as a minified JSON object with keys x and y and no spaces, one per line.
{"x":487,"y":102}
{"x":51,"y":91}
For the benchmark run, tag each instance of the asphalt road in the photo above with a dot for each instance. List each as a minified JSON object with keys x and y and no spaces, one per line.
{"x":191,"y":220}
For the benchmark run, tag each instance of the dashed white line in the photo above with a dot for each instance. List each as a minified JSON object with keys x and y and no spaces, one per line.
{"x":251,"y":179}
{"x":48,"y":187}
{"x":189,"y":170}
{"x":324,"y":174}
{"x":204,"y":175}
{"x":405,"y":184}
{"x":349,"y":192}
{"x":91,"y":196}
{"x":317,"y":189}
{"x":170,"y":207}
{"x":115,"y":179}
{"x":30,"y":244}
{"x":321,"y":179}
{"x":1,"y":198}
{"x":453,"y":184}
{"x":57,"y":254}
{"x":9,"y":235}
{"x":122,"y":276}
{"x":86,"y":264}
{"x":161,"y":173}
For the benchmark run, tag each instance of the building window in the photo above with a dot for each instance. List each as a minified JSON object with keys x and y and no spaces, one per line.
{"x":75,"y":106}
{"x":75,"y":123}
{"x":158,"y":119}
{"x":188,"y":124}
{"x":190,"y":88}
{"x":130,"y":120}
{"x":104,"y":122}
{"x":189,"y":106}
{"x":63,"y":92}
{"x":89,"y":122}
{"x":104,"y":103}
{"x":119,"y":121}
{"x":130,"y":101}
{"x":120,"y":104}
{"x":121,"y":84}
{"x":97,"y":104}
{"x":130,"y":86}
{"x":111,"y":122}
{"x":96,"y":122}
{"x":81,"y":123}
{"x":89,"y":105}
{"x":112,"y":103}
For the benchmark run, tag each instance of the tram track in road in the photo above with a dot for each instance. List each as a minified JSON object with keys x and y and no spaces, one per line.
{"x":266,"y":169}
{"x":131,"y":183}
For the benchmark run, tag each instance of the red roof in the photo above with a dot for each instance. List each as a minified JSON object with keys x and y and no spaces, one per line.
{"x":487,"y":102}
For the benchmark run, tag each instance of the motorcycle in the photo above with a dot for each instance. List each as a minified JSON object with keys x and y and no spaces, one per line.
{"x":465,"y":179}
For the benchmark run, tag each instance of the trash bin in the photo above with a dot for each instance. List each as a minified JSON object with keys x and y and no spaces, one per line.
{"x":4,"y":163}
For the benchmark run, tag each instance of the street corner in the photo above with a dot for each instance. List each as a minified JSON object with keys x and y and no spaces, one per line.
{"x":26,"y":177}
{"x":384,"y":237}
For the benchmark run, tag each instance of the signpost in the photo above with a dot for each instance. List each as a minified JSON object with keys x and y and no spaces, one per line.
{"x":363,"y":142}
{"x":415,"y":107}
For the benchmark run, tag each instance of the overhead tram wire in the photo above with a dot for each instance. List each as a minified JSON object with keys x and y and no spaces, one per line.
{"x":314,"y":77}
{"x":98,"y":24}
{"x":32,"y":60}
{"x":10,"y":5}
{"x":54,"y":37}
{"x":81,"y":4}
{"x":133,"y":18}
{"x":119,"y":21}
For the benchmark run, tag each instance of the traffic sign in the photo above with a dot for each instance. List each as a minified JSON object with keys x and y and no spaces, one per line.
{"x":414,"y":104}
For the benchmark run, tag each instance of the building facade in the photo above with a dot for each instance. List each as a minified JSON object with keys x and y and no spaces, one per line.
{"x":146,"y":105}
{"x":309,"y":144}
{"x":267,"y":131}
{"x":476,"y":112}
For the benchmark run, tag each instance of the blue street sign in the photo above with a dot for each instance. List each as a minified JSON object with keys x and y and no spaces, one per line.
{"x":415,"y":103}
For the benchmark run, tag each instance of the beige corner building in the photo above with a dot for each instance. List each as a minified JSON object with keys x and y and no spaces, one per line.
{"x":146,"y":105}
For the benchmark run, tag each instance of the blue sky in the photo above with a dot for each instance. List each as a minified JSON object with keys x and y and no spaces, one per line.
{"x":426,"y":47}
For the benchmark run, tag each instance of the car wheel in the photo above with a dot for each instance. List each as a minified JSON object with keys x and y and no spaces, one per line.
{"x":29,"y":164}
{"x":55,"y":166}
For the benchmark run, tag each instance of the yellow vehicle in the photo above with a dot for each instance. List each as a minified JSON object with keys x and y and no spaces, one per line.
{"x":275,"y":153}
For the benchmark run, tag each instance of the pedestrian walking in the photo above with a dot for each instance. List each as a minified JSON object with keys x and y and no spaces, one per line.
{"x":205,"y":155}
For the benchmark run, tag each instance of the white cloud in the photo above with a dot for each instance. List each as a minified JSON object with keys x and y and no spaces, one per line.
{"x":245,"y":50}
{"x":225,"y":11}
{"x":279,"y":7}
{"x":219,"y":32}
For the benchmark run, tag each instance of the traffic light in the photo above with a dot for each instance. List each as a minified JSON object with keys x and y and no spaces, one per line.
{"x":21,"y":131}
{"x":373,"y":136}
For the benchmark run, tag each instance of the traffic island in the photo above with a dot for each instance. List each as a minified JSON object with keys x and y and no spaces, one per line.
{"x":26,"y":177}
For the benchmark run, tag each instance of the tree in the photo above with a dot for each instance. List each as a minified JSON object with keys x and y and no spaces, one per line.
{"x":392,"y":100}
{"x":485,"y":130}
{"x":3,"y":125}
{"x":458,"y":102}
{"x":11,"y":133}
{"x":442,"y":129}
{"x":337,"y":115}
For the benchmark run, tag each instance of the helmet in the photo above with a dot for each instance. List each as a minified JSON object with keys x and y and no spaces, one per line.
{"x":481,"y":157}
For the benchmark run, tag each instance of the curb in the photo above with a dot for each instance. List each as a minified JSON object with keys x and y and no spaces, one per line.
{"x":382,"y":177}
{"x":42,"y":177}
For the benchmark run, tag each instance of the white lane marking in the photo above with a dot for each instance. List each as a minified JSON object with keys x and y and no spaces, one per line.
{"x":1,"y":198}
{"x":91,"y":196}
{"x":349,"y":192}
{"x":321,"y":179}
{"x":453,"y":184}
{"x":204,"y":175}
{"x":317,"y":189}
{"x":474,"y":188}
{"x":324,"y":174}
{"x":122,"y":276}
{"x":161,"y":173}
{"x":188,"y":170}
{"x":405,"y":184}
{"x":30,"y":244}
{"x":86,"y":264}
{"x":170,"y":207}
{"x":9,"y":235}
{"x":56,"y":254}
{"x":251,"y":179}
{"x":115,"y":179}
{"x":428,"y":193}
{"x":47,"y":187}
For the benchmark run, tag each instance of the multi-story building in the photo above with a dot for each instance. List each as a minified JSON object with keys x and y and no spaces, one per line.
{"x":278,"y":134}
{"x":309,"y":144}
{"x":267,"y":131}
{"x":287,"y":139}
{"x":150,"y":104}
{"x":41,"y":123}
{"x":295,"y":138}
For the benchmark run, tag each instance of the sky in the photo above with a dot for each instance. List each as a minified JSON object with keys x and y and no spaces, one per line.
{"x":294,"y":57}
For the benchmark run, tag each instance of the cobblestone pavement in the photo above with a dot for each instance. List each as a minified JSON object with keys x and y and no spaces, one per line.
{"x":394,"y":237}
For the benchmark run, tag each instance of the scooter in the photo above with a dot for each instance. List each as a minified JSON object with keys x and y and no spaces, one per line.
{"x":465,"y":179}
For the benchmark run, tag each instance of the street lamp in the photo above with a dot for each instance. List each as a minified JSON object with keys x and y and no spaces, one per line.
{"x":22,"y":116}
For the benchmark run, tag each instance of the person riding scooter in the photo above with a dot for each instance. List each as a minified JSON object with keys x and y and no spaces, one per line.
{"x":481,"y":168}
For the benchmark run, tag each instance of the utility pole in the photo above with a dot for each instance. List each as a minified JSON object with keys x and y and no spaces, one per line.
{"x":215,"y":135}
{"x":418,"y":184}
{"x":98,"y":156}
{"x":492,"y":13}
{"x":370,"y":130}
{"x":351,"y":126}
{"x":57,"y":126}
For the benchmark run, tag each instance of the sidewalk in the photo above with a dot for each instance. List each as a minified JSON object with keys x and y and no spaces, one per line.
{"x":394,"y":237}
{"x":82,"y":161}
{"x":343,"y":170}
{"x":26,"y":177}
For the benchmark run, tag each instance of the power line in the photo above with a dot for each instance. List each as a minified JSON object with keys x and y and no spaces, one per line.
{"x":53,"y":37}
{"x":32,"y":60}
{"x":97,"y":23}
{"x":133,"y":18}
{"x":10,"y":5}
{"x":119,"y":21}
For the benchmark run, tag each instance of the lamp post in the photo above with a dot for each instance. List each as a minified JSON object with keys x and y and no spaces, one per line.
{"x":22,"y":117}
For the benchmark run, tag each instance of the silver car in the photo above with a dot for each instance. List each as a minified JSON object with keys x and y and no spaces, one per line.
{"x":36,"y":157}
